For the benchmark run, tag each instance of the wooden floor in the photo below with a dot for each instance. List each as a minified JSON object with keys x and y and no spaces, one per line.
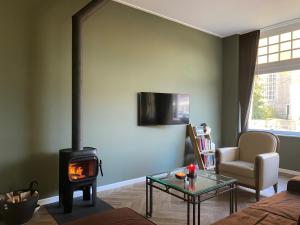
{"x":169,"y":210}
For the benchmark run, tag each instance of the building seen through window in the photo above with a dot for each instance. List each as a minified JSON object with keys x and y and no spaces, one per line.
{"x":276,"y":102}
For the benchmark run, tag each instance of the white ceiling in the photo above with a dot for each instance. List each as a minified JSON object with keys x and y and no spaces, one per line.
{"x":222,"y":17}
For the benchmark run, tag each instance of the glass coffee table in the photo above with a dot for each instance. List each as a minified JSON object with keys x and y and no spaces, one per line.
{"x":202,"y":187}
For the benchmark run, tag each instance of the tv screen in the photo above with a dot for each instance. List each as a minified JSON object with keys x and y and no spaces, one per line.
{"x":163,"y":108}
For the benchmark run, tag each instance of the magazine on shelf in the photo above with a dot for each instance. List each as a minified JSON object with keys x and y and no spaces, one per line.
{"x":209,"y":161}
{"x":199,"y":130}
{"x":204,"y":143}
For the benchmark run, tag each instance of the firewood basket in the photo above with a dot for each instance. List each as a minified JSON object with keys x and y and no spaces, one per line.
{"x":20,"y":213}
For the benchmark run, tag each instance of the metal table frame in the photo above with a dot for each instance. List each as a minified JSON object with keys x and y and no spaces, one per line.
{"x":194,"y":199}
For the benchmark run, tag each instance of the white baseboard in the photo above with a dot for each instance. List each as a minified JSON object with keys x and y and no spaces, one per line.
{"x":120,"y":184}
{"x":50,"y":200}
{"x":291,"y":172}
{"x":53,"y":199}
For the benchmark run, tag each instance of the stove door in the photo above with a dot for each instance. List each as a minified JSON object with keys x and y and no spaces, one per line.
{"x":83,"y":168}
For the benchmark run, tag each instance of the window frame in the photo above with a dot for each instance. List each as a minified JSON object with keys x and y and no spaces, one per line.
{"x":277,"y":67}
{"x":279,"y":49}
{"x":279,"y":132}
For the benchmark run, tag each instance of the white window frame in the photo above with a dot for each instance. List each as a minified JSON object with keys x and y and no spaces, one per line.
{"x":279,"y":66}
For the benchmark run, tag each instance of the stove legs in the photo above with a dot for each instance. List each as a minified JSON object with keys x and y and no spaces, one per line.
{"x":67,"y":200}
{"x":60,"y":196}
{"x":94,"y":193}
{"x":86,"y":193}
{"x":66,"y":195}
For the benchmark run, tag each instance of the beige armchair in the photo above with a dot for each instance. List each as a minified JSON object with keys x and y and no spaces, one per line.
{"x":254,"y":163}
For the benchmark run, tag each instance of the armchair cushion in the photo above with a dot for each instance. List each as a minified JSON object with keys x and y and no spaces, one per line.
{"x":238,"y":167}
{"x":253,"y":143}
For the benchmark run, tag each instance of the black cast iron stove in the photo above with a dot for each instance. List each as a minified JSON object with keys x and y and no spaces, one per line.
{"x":78,"y":170}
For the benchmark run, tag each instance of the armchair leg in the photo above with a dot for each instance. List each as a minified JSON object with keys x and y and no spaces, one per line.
{"x":257,"y":195}
{"x":275,"y":186}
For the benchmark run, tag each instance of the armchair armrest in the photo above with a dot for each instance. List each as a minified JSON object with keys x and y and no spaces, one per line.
{"x":226,"y":155}
{"x":266,"y":169}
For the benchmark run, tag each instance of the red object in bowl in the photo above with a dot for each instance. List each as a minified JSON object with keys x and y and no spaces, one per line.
{"x":192,"y":169}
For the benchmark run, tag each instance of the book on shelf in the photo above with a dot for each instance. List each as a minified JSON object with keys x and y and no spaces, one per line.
{"x":204,"y":143}
{"x":209,"y":161}
{"x":199,"y":131}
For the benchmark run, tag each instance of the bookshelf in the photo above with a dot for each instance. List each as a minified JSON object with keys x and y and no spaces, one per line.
{"x":202,"y":146}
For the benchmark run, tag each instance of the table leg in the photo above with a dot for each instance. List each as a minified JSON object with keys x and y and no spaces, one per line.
{"x":151,"y":197}
{"x":231,"y":199}
{"x":147,"y":197}
{"x":149,"y":194}
{"x":194,"y":210}
{"x":199,"y":210}
{"x":235,"y":197}
{"x":188,"y":210}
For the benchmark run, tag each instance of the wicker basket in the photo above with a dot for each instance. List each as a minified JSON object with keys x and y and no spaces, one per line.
{"x":19,"y":213}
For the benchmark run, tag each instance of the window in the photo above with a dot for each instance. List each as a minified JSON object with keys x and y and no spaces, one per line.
{"x":275,"y":103}
{"x":279,"y":47}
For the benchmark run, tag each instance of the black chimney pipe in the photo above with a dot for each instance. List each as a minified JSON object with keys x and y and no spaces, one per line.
{"x":77,"y":20}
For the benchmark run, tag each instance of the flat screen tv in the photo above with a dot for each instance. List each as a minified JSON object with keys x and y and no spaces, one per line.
{"x":163,"y":108}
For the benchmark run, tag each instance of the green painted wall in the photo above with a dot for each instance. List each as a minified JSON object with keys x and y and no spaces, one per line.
{"x":289,"y":153}
{"x":125,"y":51}
{"x":289,"y":146}
{"x":14,"y":99}
{"x":230,"y":90}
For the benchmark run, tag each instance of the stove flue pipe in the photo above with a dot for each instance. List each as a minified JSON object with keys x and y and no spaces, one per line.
{"x":77,"y":20}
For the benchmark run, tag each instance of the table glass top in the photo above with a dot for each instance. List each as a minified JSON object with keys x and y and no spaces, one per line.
{"x":204,"y":182}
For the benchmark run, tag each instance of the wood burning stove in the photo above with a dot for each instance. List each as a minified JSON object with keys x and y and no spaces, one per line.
{"x":78,"y":170}
{"x":78,"y":167}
